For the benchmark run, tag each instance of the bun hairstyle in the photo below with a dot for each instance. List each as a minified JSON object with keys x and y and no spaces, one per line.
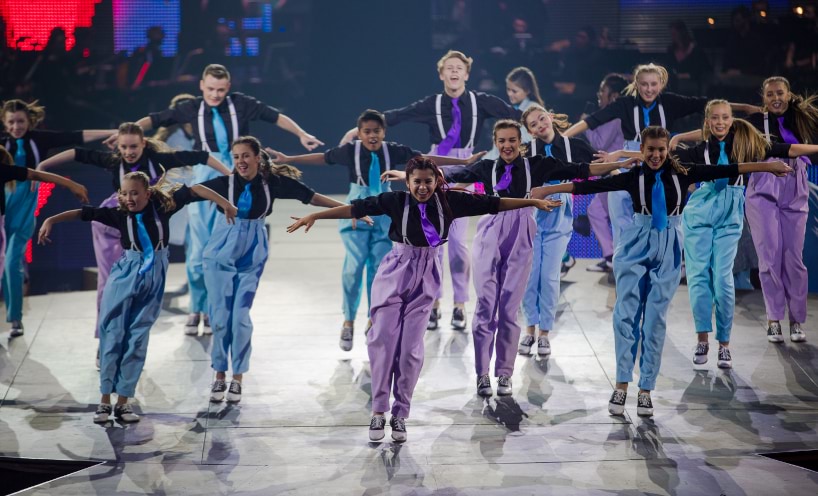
{"x":266,"y":167}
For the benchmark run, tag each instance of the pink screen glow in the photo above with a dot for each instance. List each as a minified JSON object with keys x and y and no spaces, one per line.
{"x":29,"y":22}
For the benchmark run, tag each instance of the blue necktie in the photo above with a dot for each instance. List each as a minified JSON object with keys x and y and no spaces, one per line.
{"x":20,"y":153}
{"x":658,"y":204}
{"x":723,"y":160}
{"x":375,"y":175}
{"x":548,"y":150}
{"x":220,"y":131}
{"x":147,"y":246}
{"x":646,"y":113}
{"x":245,"y":202}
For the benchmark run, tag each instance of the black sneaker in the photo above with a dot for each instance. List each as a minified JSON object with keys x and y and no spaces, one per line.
{"x":700,"y":355}
{"x":234,"y":392}
{"x":458,"y":319}
{"x":103,"y":413}
{"x":346,"y":338}
{"x":504,"y":385}
{"x":376,"y":427}
{"x":616,"y":405}
{"x":725,"y":359}
{"x":398,"y":425}
{"x":524,"y":348}
{"x":644,"y":406}
{"x":774,"y":334}
{"x":217,"y":391}
{"x":434,"y":319}
{"x":17,"y":329}
{"x":484,"y":385}
{"x":124,"y":413}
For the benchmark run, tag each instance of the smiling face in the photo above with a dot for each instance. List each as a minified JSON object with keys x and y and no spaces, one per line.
{"x":130,"y":147}
{"x":776,"y":97}
{"x":246,"y":161}
{"x":507,"y":140}
{"x":454,"y":74}
{"x":719,"y":120}
{"x":516,"y":94}
{"x":371,"y":134}
{"x":16,"y":123}
{"x":654,"y":152}
{"x":422,"y":184}
{"x":649,"y":85}
{"x":134,"y":194}
{"x":214,"y":90}
{"x":540,"y":125}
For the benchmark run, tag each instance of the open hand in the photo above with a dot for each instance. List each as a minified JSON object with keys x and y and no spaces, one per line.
{"x":111,"y":140}
{"x":276,"y":156}
{"x":548,"y":205}
{"x":310,"y":142}
{"x":230,"y":213}
{"x":45,"y":232}
{"x":477,"y":156}
{"x":393,"y":175}
{"x":81,"y":192}
{"x":305,"y":222}
{"x":779,"y":168}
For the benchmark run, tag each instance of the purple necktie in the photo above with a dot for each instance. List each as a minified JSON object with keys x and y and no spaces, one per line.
{"x":453,"y":136}
{"x":789,"y":137}
{"x":505,"y":179}
{"x":432,"y":237}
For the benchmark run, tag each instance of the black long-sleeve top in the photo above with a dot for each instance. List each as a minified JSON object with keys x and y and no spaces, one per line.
{"x":695,"y":154}
{"x":42,"y":141}
{"x":279,"y":187}
{"x":581,"y":152}
{"x":345,"y":155}
{"x":543,"y":170}
{"x":247,"y":109}
{"x":10,"y":173}
{"x":161,"y":162}
{"x":118,"y":219}
{"x":391,"y":203}
{"x":423,"y":111}
{"x":757,"y":120}
{"x":629,"y":181}
{"x":675,"y":107}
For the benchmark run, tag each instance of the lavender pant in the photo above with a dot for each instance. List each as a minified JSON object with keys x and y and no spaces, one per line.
{"x":502,"y":254}
{"x":777,"y":209}
{"x":2,"y":245}
{"x":107,"y":250}
{"x":403,"y":293}
{"x":601,"y":223}
{"x":458,"y":248}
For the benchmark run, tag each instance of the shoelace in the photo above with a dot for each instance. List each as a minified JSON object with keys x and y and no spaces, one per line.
{"x":346,"y":334}
{"x":618,"y":396}
{"x":377,"y":422}
{"x":235,"y":387}
{"x":483,"y":381}
{"x":775,"y":329}
{"x":219,"y":386}
{"x":702,"y":348}
{"x":126,"y":408}
{"x":543,"y":341}
{"x":503,"y":380}
{"x":644,"y":400}
{"x":399,"y":423}
{"x":795,"y":328}
{"x":528,"y":340}
{"x":724,"y":353}
{"x":104,"y":409}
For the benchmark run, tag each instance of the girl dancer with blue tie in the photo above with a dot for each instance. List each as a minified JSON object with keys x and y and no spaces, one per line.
{"x":648,"y":258}
{"x":133,"y":295}
{"x":522,"y":91}
{"x":409,"y":277}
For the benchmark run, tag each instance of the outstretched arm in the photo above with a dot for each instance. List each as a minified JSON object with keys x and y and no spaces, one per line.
{"x":578,"y":128}
{"x":515,"y":203}
{"x":342,"y":212}
{"x":320,"y":200}
{"x":798,"y":150}
{"x":441,"y":160}
{"x":309,"y":141}
{"x":230,"y":210}
{"x":695,"y":135}
{"x":778,"y":168}
{"x":306,"y":159}
{"x":600,"y":169}
{"x":745,"y":108}
{"x":542,"y":191}
{"x":60,"y":158}
{"x":45,"y":229}
{"x":77,"y":189}
{"x":145,"y":123}
{"x":96,"y":134}
{"x":216,"y":164}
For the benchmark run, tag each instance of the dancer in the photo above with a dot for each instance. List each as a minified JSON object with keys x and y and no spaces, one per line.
{"x":218,"y":117}
{"x":648,"y":259}
{"x":777,"y":209}
{"x":133,"y":295}
{"x":454,"y":119}
{"x":714,"y":219}
{"x":523,"y":91}
{"x":28,"y":146}
{"x":235,"y":255}
{"x":365,"y":246}
{"x":554,"y":230}
{"x":406,"y":285}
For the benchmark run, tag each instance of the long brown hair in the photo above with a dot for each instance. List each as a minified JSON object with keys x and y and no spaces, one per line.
{"x":558,"y":121}
{"x":35,"y":112}
{"x":421,"y":163}
{"x":266,"y":167}
{"x":163,"y":195}
{"x":525,"y":79}
{"x":151,"y":144}
{"x":806,"y":113}
{"x":749,"y":144}
{"x":658,"y":132}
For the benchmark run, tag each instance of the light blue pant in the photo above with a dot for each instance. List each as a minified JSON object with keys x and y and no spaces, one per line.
{"x":542,"y":291}
{"x":712,"y":223}
{"x":201,"y":220}
{"x":19,"y":225}
{"x":233,"y":260}
{"x":620,"y":205}
{"x":365,"y":248}
{"x":130,"y":305}
{"x":647,"y":264}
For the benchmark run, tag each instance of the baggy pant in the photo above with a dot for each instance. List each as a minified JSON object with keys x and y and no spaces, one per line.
{"x":130,"y":305}
{"x":19,"y":225}
{"x":107,"y":250}
{"x":233,"y":263}
{"x":403,"y":293}
{"x":647,"y":264}
{"x":601,"y":223}
{"x":502,"y":254}
{"x":777,"y":209}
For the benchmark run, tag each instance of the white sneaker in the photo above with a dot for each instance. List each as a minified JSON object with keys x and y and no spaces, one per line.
{"x":644,"y":406}
{"x":376,"y":424}
{"x":796,"y":333}
{"x":484,"y":385}
{"x":103,"y":413}
{"x":616,"y":405}
{"x":206,"y":330}
{"x":192,"y":325}
{"x":774,"y":334}
{"x":217,"y":391}
{"x":234,"y":392}
{"x":524,"y":348}
{"x":124,"y":413}
{"x":398,"y":425}
{"x":543,"y":346}
{"x":346,"y":338}
{"x":700,"y":355}
{"x":504,"y":385}
{"x":725,"y":359}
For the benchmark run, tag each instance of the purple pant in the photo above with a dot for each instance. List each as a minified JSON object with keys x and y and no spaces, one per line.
{"x":502,"y":254}
{"x":403,"y":293}
{"x":457,"y":246}
{"x":601,"y":223}
{"x":107,"y":250}
{"x":777,"y":209}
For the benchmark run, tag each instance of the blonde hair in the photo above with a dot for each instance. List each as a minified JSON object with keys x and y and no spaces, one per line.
{"x":658,"y":132}
{"x":266,"y":167}
{"x":632,"y":88}
{"x":151,"y":144}
{"x":806,"y":113}
{"x":35,"y":112}
{"x":164,"y":132}
{"x":749,"y":144}
{"x":558,"y":121}
{"x":217,"y":71}
{"x":455,"y":54}
{"x":164,"y":195}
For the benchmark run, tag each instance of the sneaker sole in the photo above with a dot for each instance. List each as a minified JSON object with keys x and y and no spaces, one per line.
{"x":616,"y":409}
{"x":13,"y":334}
{"x":207,"y":331}
{"x":216,"y":399}
{"x":503,"y":392}
{"x":485,"y":392}
{"x":191,"y":331}
{"x":377,"y":437}
{"x":459,"y":326}
{"x":797,"y":340}
{"x":345,"y":345}
{"x":699,"y":361}
{"x":131,"y":421}
{"x":642,"y":412}
{"x":775,"y":339}
{"x":543,"y":354}
{"x":399,"y":438}
{"x":233,"y":399}
{"x":524,"y":351}
{"x":102,"y":421}
{"x":725,"y":365}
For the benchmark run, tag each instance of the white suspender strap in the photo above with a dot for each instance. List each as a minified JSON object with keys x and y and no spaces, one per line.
{"x":533,"y":146}
{"x":567,"y":142}
{"x":269,"y":200}
{"x":662,"y":115}
{"x":234,"y":122}
{"x":439,"y":116}
{"x":234,"y":119}
{"x":387,"y":162}
{"x":440,"y":215}
{"x":527,"y":178}
{"x":405,"y":223}
{"x":636,"y":127}
{"x":151,"y":169}
{"x":473,"y":98}
{"x":132,"y":233}
{"x":767,"y":125}
{"x":707,"y":153}
{"x":202,"y":135}
{"x":159,"y":229}
{"x":494,"y":177}
{"x":35,"y":151}
{"x":678,"y":209}
{"x":360,"y":180}
{"x":642,"y":200}
{"x":231,"y":181}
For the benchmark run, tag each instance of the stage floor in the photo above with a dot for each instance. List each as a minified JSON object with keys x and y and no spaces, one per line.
{"x":301,"y":427}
